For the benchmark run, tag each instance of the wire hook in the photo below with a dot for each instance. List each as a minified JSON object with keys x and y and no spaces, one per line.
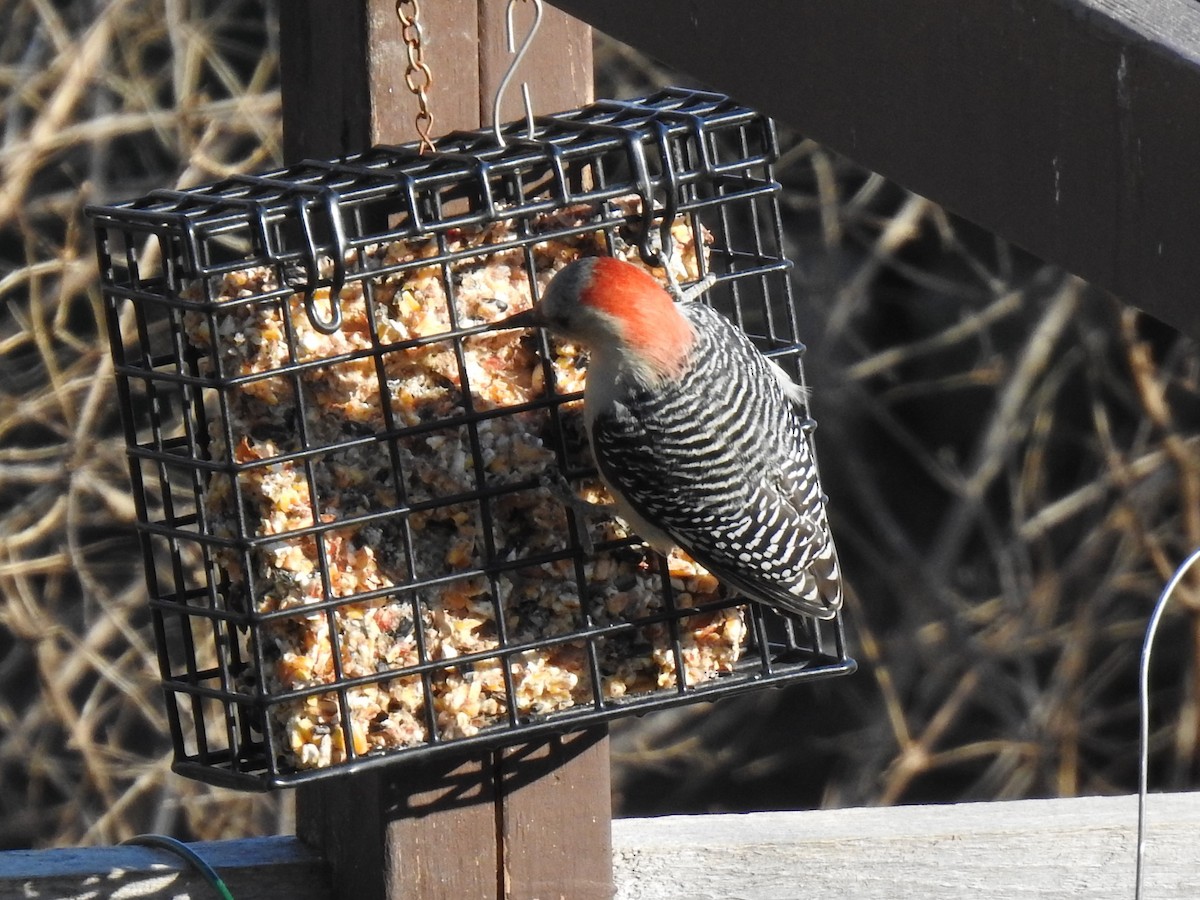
{"x":1144,"y":707}
{"x":512,"y":68}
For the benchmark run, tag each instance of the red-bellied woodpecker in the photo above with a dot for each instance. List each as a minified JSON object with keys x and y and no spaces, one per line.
{"x":699,"y":436}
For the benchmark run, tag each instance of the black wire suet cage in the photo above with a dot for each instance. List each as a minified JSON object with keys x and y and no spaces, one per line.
{"x":350,"y":490}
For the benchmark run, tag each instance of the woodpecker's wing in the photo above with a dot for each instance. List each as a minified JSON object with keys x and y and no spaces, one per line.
{"x":793,"y":566}
{"x":749,"y":509}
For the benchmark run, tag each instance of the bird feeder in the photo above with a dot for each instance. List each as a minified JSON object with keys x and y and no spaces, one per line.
{"x":351,"y":490}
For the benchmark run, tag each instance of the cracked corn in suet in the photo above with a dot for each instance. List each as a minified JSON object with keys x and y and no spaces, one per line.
{"x":455,"y":617}
{"x":698,"y":435}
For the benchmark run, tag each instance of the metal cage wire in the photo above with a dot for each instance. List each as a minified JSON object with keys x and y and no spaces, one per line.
{"x":318,"y":249}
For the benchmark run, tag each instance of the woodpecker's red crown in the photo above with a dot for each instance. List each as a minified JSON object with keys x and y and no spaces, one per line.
{"x":614,"y":306}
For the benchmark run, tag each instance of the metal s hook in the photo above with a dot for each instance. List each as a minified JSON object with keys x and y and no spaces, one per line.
{"x":519,"y":54}
{"x":311,"y":253}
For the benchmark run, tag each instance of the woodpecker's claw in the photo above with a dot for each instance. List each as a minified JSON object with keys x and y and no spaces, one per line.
{"x":698,"y":288}
{"x":679,"y":295}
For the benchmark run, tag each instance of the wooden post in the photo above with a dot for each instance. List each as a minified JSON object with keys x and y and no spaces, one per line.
{"x":343,"y":67}
{"x":531,"y":821}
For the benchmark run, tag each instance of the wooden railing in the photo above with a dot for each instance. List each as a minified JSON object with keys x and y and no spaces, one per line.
{"x":1049,"y":849}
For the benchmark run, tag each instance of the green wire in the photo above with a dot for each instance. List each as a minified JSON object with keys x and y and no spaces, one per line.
{"x":179,"y":848}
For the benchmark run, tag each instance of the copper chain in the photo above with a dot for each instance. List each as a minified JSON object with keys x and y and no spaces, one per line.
{"x":417,"y":77}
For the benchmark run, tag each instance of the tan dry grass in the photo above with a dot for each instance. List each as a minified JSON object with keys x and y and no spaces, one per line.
{"x":99,"y":102}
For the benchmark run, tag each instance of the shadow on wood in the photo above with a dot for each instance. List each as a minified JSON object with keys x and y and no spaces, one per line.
{"x":527,"y":821}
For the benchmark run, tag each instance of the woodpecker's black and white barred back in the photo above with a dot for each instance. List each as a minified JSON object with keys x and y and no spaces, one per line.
{"x":698,"y":435}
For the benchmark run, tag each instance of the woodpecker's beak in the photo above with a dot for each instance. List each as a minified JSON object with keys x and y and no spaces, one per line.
{"x":531,"y":318}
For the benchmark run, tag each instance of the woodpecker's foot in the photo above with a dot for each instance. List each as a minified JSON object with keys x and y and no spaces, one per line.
{"x":679,"y":295}
{"x":698,"y":288}
{"x":562,"y":489}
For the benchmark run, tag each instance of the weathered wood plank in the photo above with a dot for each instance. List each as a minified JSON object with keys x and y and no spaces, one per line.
{"x":556,"y":834}
{"x":343,"y":68}
{"x":554,"y":807}
{"x":342,"y":73}
{"x":441,"y":832}
{"x":423,"y":831}
{"x":451,"y":43}
{"x":253,"y":869}
{"x":525,"y":822}
{"x":1049,"y":849}
{"x":1059,"y":124}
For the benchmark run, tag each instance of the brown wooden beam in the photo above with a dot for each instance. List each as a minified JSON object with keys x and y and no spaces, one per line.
{"x":343,"y":63}
{"x":535,"y":820}
{"x":425,"y":830}
{"x":342,"y":66}
{"x":557,"y":837}
{"x":1067,"y":126}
